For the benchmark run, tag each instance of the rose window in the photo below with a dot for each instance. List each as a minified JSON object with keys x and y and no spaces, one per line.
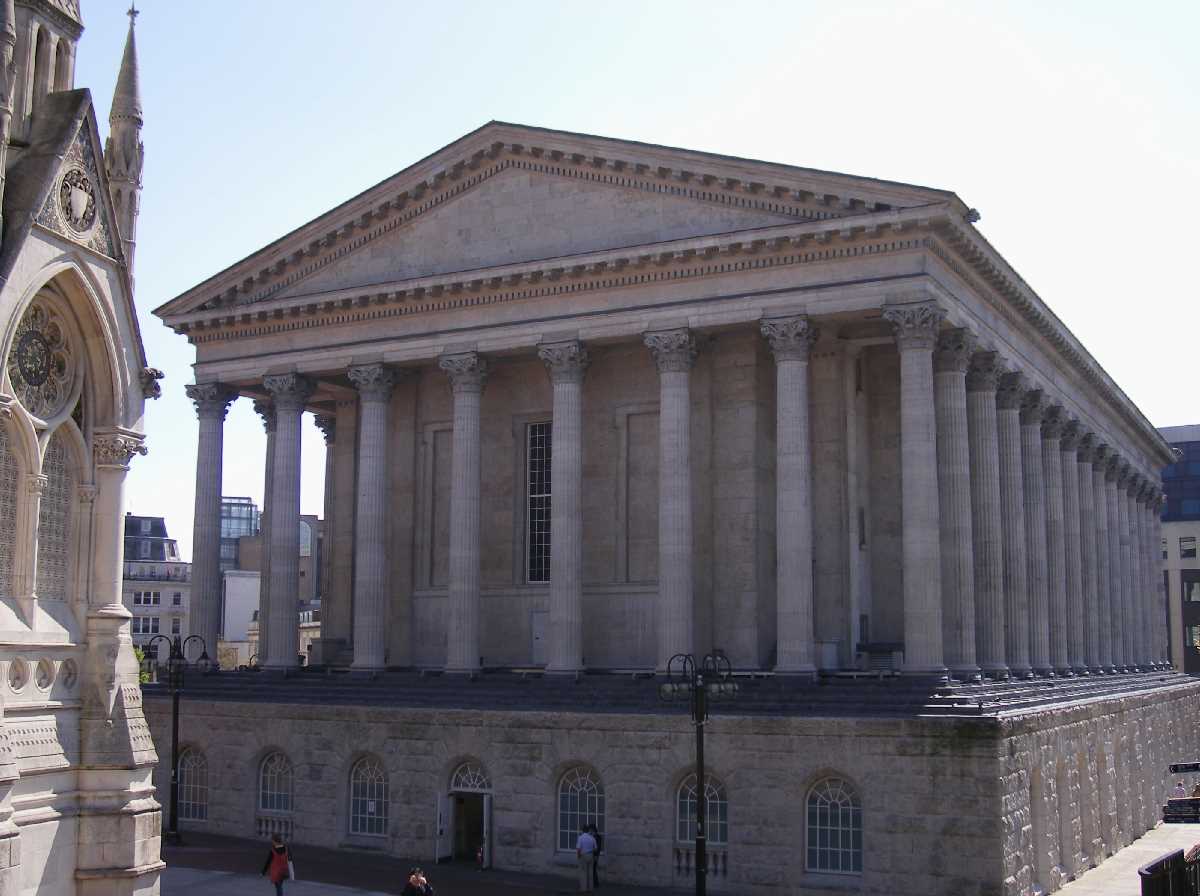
{"x":39,"y":363}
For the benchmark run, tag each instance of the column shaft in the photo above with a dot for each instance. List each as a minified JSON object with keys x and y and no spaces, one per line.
{"x":266,"y":410}
{"x":1130,"y":624}
{"x":1012,"y":507}
{"x":1116,"y":617}
{"x":204,"y":614}
{"x":1056,"y":550}
{"x":1075,"y":618}
{"x":467,"y":373}
{"x":954,"y":501}
{"x":1158,"y":594}
{"x":1134,"y":552}
{"x":674,"y":352}
{"x":374,"y":383}
{"x":280,"y":649}
{"x":1104,"y":572}
{"x":566,"y":363}
{"x":1088,"y":513}
{"x":1033,"y":411}
{"x":916,"y":328}
{"x":987,"y":521}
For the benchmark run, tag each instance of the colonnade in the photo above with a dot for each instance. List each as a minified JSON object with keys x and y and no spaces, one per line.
{"x":1027,"y":542}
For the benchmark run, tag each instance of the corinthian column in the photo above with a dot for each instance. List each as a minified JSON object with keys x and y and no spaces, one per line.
{"x":1088,"y":512}
{"x":1104,"y":591}
{"x":1157,"y":594}
{"x":266,"y":410}
{"x":1056,"y":549}
{"x":1012,"y":511}
{"x":791,"y":339}
{"x":374,"y":384}
{"x":674,"y":352}
{"x":1076,"y":624}
{"x":982,"y":380}
{"x":1122,"y":584}
{"x":1137,"y":606}
{"x":1122,"y":659}
{"x":290,"y":392}
{"x":916,"y":327}
{"x":468,"y":373}
{"x":204,"y":615}
{"x":1033,"y":412}
{"x":954,"y":349}
{"x":566,"y":362}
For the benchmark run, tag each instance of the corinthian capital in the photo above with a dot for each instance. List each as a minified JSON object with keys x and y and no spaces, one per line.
{"x":1011,"y":391}
{"x":915,"y":326}
{"x":983,"y":375}
{"x":1100,"y":455}
{"x":953,"y":351}
{"x":467,"y":371}
{"x":1069,"y":437}
{"x":290,"y":391}
{"x":374,"y":382}
{"x":1112,"y":470}
{"x":266,"y":409}
{"x":211,"y":399}
{"x":565,"y":361}
{"x":1034,"y":407}
{"x":116,"y":449}
{"x":791,"y":338}
{"x":1133,"y":485}
{"x":673,"y":350}
{"x":1085,"y":448}
{"x":327,"y":423}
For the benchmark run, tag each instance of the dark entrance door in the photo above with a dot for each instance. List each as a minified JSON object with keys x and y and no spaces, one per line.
{"x":468,"y":825}
{"x":1190,"y":602}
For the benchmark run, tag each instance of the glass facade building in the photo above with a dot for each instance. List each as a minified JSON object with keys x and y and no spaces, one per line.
{"x":239,"y":516}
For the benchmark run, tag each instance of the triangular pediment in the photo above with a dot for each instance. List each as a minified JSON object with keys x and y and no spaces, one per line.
{"x":509,"y":194}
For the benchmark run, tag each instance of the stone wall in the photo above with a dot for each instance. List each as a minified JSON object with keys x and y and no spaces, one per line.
{"x":960,"y":807}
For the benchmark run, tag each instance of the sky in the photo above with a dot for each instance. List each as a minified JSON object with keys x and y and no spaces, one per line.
{"x":1073,"y":127}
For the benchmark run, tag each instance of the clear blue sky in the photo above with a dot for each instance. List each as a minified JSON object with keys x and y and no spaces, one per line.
{"x":1073,"y":127}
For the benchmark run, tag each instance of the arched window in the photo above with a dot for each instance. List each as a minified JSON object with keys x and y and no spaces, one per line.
{"x":8,"y":510}
{"x":834,"y":828}
{"x":368,"y":798}
{"x":687,"y":806}
{"x":275,"y":785}
{"x":470,"y":778}
{"x":580,"y":803}
{"x":54,"y":520}
{"x":193,"y":786}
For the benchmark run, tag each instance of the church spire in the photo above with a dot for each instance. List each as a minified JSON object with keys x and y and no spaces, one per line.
{"x":8,"y":85}
{"x":123,"y":153}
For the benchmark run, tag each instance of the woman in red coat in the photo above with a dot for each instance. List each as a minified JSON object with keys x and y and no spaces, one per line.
{"x":279,"y":863}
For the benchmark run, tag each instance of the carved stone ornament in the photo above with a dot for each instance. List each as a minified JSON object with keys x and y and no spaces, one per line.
{"x":1100,"y":455}
{"x":87,"y":493}
{"x":1053,"y":421}
{"x":1085,"y":449}
{"x":1133,"y":485}
{"x":953,"y":351}
{"x":35,"y":484}
{"x":791,"y":338}
{"x":1113,"y":469}
{"x":983,"y":375}
{"x":374,"y":382}
{"x":265,"y":409}
{"x":150,"y":387}
{"x":566,"y":362}
{"x":210,"y":399}
{"x":915,"y":326}
{"x":1011,"y":391}
{"x":1034,"y":407}
{"x":327,"y":423}
{"x":1121,"y":474}
{"x":1070,"y":435}
{"x":75,"y":207}
{"x":673,"y":350}
{"x":116,"y":449}
{"x":77,"y":200}
{"x":290,"y":391}
{"x":41,"y":363}
{"x":467,"y":371}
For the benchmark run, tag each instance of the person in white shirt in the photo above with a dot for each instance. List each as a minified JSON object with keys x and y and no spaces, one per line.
{"x":585,"y":846}
{"x":1179,"y":792}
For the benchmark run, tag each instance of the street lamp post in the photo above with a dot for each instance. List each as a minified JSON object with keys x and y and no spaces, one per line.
{"x":698,"y":681}
{"x":176,"y":664}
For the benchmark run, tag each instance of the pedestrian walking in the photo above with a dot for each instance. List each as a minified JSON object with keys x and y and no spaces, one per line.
{"x":585,"y":853}
{"x":599,"y":838}
{"x":417,"y":884}
{"x":278,"y":866}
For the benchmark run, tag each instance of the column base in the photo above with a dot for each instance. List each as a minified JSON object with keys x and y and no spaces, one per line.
{"x":1081,"y":670}
{"x":805,"y":669}
{"x":1064,"y":671}
{"x":1043,"y":672}
{"x":1096,"y":670}
{"x":966,"y":673}
{"x":1021,"y":671}
{"x":994,"y":671}
{"x":938,"y":671}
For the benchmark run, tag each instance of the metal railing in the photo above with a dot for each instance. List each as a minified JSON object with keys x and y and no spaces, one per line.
{"x":1175,"y":874}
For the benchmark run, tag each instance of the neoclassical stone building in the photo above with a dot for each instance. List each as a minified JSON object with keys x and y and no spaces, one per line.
{"x":591,"y":403}
{"x":77,"y":807}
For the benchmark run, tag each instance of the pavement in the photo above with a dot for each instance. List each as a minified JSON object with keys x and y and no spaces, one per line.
{"x":1118,"y":875}
{"x":210,"y":864}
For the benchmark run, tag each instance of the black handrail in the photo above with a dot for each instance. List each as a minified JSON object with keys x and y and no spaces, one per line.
{"x":1174,"y":874}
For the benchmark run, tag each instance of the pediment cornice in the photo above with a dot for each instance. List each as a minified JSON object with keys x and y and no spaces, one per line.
{"x":800,"y":194}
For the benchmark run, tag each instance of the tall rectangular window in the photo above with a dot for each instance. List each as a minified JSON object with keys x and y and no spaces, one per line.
{"x":1187,"y":547}
{"x":1190,"y":582}
{"x":537,"y":452}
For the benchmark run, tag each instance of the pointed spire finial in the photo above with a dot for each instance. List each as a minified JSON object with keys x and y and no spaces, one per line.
{"x":133,"y":12}
{"x":127,"y":101}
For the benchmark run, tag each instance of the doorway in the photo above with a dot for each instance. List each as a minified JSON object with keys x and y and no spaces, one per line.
{"x":468,"y":825}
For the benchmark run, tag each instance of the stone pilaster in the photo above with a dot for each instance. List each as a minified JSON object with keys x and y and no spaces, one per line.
{"x":1011,"y":391}
{"x":290,"y":393}
{"x":566,"y":363}
{"x":916,"y":328}
{"x":674,"y":353}
{"x":1103,"y":594}
{"x":1033,"y":414}
{"x":468,"y":374}
{"x":1088,"y":512}
{"x":1056,"y":549}
{"x":1116,"y":618}
{"x":266,"y":410}
{"x":374,"y":384}
{"x":791,"y":340}
{"x":950,"y":362}
{"x":982,"y":381}
{"x":204,"y":615}
{"x":1075,"y":621}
